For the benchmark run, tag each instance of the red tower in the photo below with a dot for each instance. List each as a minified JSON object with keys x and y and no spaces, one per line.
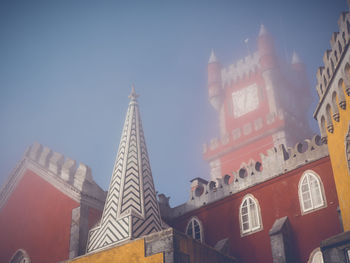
{"x":256,"y":100}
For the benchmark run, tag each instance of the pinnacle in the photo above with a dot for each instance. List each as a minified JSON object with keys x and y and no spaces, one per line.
{"x":212,"y":58}
{"x":295,"y":58}
{"x":133,"y":96}
{"x":263,"y":30}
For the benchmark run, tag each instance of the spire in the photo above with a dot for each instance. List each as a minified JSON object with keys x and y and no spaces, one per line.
{"x":133,"y":96}
{"x":295,"y":58}
{"x":131,"y":209}
{"x":212,"y":58}
{"x":263,"y":30}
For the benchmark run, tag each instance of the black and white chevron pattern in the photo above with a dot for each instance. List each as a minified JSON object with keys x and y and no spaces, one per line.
{"x":131,"y":209}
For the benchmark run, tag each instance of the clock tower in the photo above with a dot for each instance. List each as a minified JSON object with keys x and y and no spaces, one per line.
{"x":259,"y":104}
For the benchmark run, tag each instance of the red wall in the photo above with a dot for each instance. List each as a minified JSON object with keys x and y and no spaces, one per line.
{"x":261,"y":111}
{"x":249,"y":146}
{"x":36,"y":218}
{"x":277,"y":197}
{"x":94,"y":217}
{"x":233,"y":160}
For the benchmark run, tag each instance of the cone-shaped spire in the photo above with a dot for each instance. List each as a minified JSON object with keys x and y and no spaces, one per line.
{"x":295,"y":58}
{"x":212,"y":58}
{"x":131,"y":209}
{"x":263,"y":30}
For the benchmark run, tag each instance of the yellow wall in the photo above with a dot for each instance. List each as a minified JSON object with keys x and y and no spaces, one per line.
{"x":336,"y":147}
{"x":133,"y":252}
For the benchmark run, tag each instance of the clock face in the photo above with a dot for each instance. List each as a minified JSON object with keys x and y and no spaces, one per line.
{"x":245,"y":100}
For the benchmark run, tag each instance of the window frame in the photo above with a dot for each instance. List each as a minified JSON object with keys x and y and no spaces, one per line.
{"x":20,"y":256}
{"x":201,"y":232}
{"x":313,"y":254}
{"x":313,"y":174}
{"x":250,"y":230}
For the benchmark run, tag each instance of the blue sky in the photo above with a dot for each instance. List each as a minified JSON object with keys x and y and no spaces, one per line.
{"x":66,"y":68}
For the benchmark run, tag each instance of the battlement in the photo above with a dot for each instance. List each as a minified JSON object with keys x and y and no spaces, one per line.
{"x":65,"y":168}
{"x":276,"y":162}
{"x":334,"y":78}
{"x":242,"y":132}
{"x":331,"y":58}
{"x":241,"y":69}
{"x":62,"y":172}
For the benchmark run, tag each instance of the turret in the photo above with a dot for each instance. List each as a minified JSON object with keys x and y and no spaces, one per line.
{"x":266,"y":49}
{"x":297,"y":64}
{"x":269,"y":68}
{"x":300,"y":70}
{"x":301,"y":84}
{"x":214,"y":82}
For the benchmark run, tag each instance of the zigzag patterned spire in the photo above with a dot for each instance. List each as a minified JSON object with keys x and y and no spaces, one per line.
{"x":131,"y":209}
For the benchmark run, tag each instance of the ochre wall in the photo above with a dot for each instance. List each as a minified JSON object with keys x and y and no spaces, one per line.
{"x":277,"y":197}
{"x":132,"y":252}
{"x":336,"y":147}
{"x":36,"y":218}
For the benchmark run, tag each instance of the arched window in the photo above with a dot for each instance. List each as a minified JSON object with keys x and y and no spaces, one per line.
{"x":194,"y":229}
{"x":249,"y":215}
{"x":20,"y":257}
{"x":311,"y":195}
{"x":316,"y":256}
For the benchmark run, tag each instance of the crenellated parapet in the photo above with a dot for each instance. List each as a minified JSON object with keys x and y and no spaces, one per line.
{"x":241,"y":69}
{"x":333,"y":79}
{"x":63,"y":173}
{"x":275,"y":162}
{"x":64,"y":168}
{"x":243,"y":132}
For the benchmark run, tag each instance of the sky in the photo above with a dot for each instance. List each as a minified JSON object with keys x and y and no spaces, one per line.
{"x":66,"y":68}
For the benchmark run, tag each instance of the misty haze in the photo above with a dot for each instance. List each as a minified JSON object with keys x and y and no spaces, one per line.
{"x":175,"y":131}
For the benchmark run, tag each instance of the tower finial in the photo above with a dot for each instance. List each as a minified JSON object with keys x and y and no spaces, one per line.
{"x":295,"y":58}
{"x":212,"y":58}
{"x":133,"y":96}
{"x":263,"y":30}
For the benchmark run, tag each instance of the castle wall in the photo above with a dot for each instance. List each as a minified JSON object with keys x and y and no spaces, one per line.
{"x":47,"y":206}
{"x":277,"y":197}
{"x":259,"y":106}
{"x":339,"y":158}
{"x":232,"y":161}
{"x":36,"y":218}
{"x":333,"y":113}
{"x":131,"y":252}
{"x":166,"y":246}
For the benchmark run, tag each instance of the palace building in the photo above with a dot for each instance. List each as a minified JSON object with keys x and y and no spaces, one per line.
{"x":274,"y":192}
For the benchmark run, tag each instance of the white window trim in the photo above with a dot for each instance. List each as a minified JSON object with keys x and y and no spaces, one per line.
{"x":257,"y":228}
{"x":322,"y":193}
{"x":313,"y":254}
{"x":24,"y":257}
{"x":191,"y":221}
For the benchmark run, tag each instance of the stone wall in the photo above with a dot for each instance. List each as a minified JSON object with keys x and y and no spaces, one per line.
{"x":276,"y":162}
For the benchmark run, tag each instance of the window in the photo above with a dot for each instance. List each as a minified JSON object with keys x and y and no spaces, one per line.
{"x":194,"y":229}
{"x":20,"y":257}
{"x":316,"y":256}
{"x":250,"y":215}
{"x":310,"y":192}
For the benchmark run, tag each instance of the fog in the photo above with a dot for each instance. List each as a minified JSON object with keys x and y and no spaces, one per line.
{"x":66,"y":68}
